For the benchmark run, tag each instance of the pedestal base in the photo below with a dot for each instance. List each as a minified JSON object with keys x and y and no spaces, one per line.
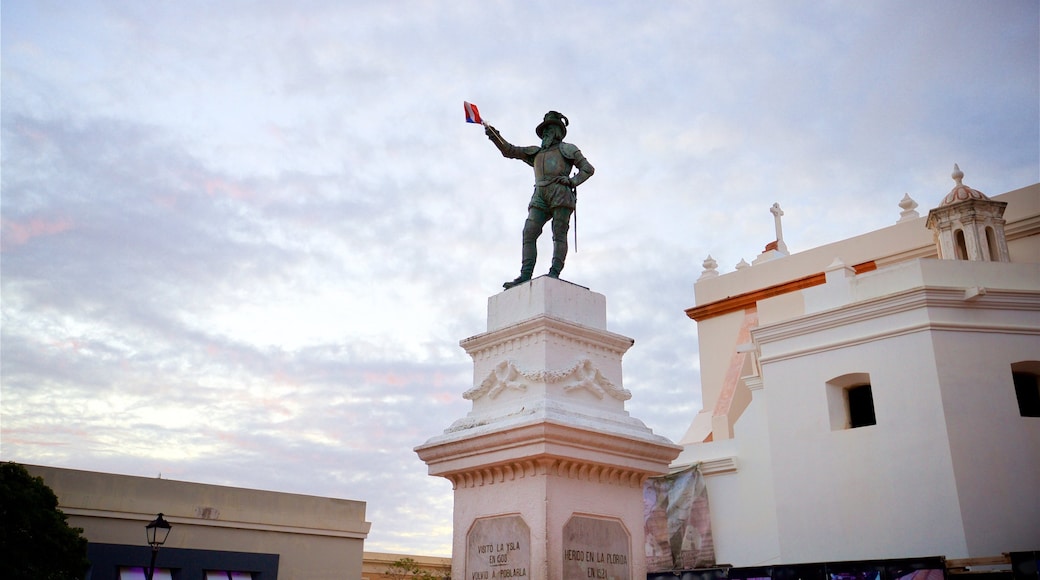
{"x":548,"y":467}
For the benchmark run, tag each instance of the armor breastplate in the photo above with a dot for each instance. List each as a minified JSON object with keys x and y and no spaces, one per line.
{"x":551,"y":163}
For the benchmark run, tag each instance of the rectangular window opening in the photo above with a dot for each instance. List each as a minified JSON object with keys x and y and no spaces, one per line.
{"x":1027,"y":390}
{"x":861,"y":406}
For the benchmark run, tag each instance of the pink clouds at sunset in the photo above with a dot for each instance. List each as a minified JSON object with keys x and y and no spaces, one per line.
{"x":16,"y":233}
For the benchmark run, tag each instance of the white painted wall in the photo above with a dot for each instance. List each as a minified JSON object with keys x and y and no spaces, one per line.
{"x":883,"y":491}
{"x":951,"y":468}
{"x":741,"y":502}
{"x":942,"y":472}
{"x":996,"y":451}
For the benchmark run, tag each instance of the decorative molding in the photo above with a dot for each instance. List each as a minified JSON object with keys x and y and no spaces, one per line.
{"x":896,"y":303}
{"x":547,"y":467}
{"x":583,"y":375}
{"x":709,"y":467}
{"x":918,"y":298}
{"x":753,"y":382}
{"x":895,"y":332}
{"x":503,"y":377}
{"x":639,"y":451}
{"x":542,"y":329}
{"x":720,"y":466}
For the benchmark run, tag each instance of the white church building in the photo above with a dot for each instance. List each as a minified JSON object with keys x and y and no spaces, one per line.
{"x":876,"y":397}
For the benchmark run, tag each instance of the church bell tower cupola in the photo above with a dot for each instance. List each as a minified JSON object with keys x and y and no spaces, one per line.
{"x":968,"y":225}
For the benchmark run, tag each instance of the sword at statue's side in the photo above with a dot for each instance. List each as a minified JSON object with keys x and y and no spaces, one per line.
{"x":575,"y":190}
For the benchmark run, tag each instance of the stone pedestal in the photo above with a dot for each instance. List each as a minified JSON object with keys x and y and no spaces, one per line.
{"x":548,"y":466}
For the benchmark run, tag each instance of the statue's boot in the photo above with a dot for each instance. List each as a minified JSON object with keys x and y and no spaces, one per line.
{"x":517,"y":281}
{"x":529,"y":255}
{"x":559,"y":255}
{"x":554,"y":271}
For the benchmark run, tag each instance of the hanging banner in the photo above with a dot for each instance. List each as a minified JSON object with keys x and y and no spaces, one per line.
{"x":677,"y":522}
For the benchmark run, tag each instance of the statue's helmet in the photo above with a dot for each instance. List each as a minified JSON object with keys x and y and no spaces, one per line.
{"x":552,"y":118}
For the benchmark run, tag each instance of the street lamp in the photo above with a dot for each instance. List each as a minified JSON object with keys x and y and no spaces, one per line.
{"x":157,"y":531}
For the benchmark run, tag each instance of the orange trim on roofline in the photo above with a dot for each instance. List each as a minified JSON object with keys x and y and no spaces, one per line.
{"x":865,"y":267}
{"x":742,"y":301}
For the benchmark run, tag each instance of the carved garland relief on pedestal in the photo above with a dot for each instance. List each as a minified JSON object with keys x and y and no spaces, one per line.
{"x":583,"y":375}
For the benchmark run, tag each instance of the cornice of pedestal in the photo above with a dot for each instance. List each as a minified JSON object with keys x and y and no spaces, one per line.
{"x":547,"y":466}
{"x":545,"y":410}
{"x":545,"y":447}
{"x":591,"y":338}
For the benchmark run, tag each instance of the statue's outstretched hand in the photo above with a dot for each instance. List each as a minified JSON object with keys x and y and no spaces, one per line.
{"x":491,"y":132}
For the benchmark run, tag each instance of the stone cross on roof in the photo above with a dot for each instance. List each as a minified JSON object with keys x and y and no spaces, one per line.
{"x":777,"y":213}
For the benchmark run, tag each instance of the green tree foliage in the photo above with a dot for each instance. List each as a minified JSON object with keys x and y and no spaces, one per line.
{"x":36,"y":542}
{"x":408,"y":569}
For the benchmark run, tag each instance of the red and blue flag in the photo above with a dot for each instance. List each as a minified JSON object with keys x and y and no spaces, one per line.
{"x":472,"y":114}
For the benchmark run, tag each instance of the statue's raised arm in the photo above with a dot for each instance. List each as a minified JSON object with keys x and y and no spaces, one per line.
{"x":555,"y":194}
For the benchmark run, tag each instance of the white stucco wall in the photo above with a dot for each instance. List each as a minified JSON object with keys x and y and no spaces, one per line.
{"x":741,"y":502}
{"x":995,"y":450}
{"x":949,"y":469}
{"x":882,"y":491}
{"x":940,"y":473}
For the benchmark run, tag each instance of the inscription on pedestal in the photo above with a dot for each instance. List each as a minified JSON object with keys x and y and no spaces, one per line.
{"x":498,"y":547}
{"x":596,"y":548}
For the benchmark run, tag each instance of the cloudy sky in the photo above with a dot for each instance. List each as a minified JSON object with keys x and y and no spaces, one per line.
{"x":242,"y":240}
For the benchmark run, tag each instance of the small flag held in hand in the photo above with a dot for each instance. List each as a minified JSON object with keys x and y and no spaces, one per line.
{"x":472,"y":114}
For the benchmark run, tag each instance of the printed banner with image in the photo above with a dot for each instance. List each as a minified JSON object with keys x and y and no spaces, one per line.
{"x":677,"y":522}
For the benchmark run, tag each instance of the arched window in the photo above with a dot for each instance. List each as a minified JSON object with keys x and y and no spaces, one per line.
{"x":961,"y":248}
{"x":991,"y":245}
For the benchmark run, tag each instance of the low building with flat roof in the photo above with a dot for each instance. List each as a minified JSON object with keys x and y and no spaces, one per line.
{"x":218,"y":532}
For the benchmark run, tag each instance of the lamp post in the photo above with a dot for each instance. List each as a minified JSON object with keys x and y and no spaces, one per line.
{"x":157,"y":531}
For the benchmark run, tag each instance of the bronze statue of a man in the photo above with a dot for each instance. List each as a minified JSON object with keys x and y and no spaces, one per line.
{"x":555,"y":190}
